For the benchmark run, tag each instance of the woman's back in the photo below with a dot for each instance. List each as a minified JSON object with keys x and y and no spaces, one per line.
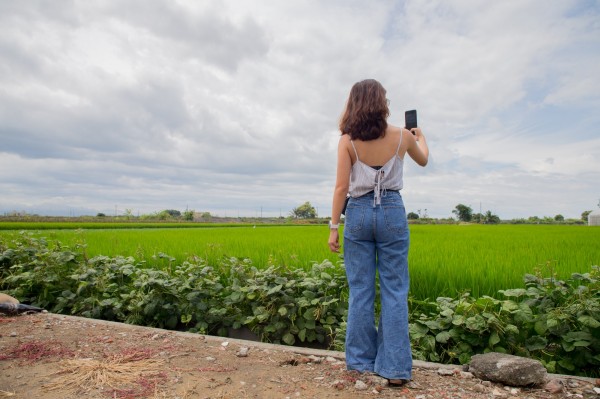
{"x":378,"y":152}
{"x":382,"y":169}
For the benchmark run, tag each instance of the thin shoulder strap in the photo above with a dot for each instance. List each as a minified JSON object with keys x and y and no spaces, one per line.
{"x":352,"y":142}
{"x":399,"y":143}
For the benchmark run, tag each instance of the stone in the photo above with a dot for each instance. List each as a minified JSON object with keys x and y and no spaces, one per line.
{"x":554,"y":386}
{"x":445,"y":372}
{"x":243,"y":352}
{"x":377,"y":380}
{"x":508,"y":369}
{"x":315,"y":359}
{"x":479,"y":388}
{"x":360,"y":385}
{"x":466,"y":375}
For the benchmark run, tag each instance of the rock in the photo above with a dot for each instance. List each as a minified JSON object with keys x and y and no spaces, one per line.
{"x":315,"y":359}
{"x":360,"y":385}
{"x":243,"y":352}
{"x":377,"y":380}
{"x":466,"y":375}
{"x":554,"y":386}
{"x":572,"y":384}
{"x":445,"y":372}
{"x":508,"y":369}
{"x":479,"y":388}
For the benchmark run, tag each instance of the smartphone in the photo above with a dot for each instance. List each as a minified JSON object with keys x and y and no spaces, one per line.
{"x":410,"y":119}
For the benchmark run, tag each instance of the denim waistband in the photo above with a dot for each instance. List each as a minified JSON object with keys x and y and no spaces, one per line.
{"x":370,"y":196}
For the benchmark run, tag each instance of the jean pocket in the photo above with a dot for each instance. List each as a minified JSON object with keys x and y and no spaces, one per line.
{"x":355,"y":216}
{"x":395,"y":218}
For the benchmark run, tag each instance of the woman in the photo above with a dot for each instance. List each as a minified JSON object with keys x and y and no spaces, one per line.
{"x":369,"y":168}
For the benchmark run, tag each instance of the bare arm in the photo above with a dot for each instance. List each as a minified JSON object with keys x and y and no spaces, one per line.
{"x":342,"y":183}
{"x":417,"y":147}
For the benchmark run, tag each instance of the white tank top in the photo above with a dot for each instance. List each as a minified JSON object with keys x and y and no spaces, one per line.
{"x":365,"y":178}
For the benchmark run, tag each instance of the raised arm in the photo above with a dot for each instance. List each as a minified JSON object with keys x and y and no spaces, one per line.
{"x":417,"y":147}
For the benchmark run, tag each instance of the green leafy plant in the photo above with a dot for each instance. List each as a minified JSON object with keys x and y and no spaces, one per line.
{"x":554,"y":321}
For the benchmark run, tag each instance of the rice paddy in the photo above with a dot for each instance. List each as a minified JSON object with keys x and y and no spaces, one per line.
{"x":444,"y":259}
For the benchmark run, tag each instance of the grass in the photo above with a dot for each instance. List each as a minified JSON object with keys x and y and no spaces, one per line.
{"x":444,"y":259}
{"x":483,"y":259}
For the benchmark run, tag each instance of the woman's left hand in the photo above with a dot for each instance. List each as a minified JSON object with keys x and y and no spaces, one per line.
{"x":334,"y":240}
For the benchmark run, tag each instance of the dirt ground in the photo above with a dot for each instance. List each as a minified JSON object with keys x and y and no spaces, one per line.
{"x":55,"y":356}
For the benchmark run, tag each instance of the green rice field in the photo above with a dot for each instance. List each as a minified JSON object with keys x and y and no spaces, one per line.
{"x":444,"y":259}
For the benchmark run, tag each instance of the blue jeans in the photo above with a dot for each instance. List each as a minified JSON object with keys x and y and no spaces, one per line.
{"x":377,"y":239}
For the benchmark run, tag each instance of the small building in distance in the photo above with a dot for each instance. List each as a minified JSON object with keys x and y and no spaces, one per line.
{"x":594,"y":218}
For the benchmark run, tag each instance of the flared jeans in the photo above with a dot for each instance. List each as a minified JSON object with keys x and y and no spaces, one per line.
{"x":376,"y":241}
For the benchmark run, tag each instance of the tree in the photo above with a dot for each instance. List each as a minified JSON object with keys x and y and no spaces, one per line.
{"x":490,"y":218}
{"x":173,"y":213}
{"x":584,"y":215}
{"x":463,"y":213}
{"x":477,"y":218}
{"x":206,"y":216}
{"x":559,"y":218}
{"x":188,"y":215}
{"x":304,"y":211}
{"x":412,"y":216}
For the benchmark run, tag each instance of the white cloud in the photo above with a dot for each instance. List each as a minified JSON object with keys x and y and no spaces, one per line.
{"x":230,"y":106}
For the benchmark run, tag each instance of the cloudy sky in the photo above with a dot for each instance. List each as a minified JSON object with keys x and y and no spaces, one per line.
{"x":232,"y":107}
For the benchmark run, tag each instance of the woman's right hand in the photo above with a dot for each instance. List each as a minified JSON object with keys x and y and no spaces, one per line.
{"x":416,"y":131}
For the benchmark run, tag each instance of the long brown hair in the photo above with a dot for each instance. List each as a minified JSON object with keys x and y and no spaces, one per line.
{"x":365,"y":116}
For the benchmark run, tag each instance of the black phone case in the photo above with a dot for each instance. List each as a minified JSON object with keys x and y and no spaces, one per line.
{"x":410,"y":119}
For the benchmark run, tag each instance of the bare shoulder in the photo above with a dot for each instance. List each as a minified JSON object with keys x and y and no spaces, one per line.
{"x":398,"y":131}
{"x":345,"y":142}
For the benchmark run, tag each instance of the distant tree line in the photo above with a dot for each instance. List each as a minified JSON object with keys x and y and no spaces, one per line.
{"x":166,"y":214}
{"x":307,"y":213}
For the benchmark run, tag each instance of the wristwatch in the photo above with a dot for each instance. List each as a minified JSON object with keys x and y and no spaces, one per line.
{"x":334,"y":226}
